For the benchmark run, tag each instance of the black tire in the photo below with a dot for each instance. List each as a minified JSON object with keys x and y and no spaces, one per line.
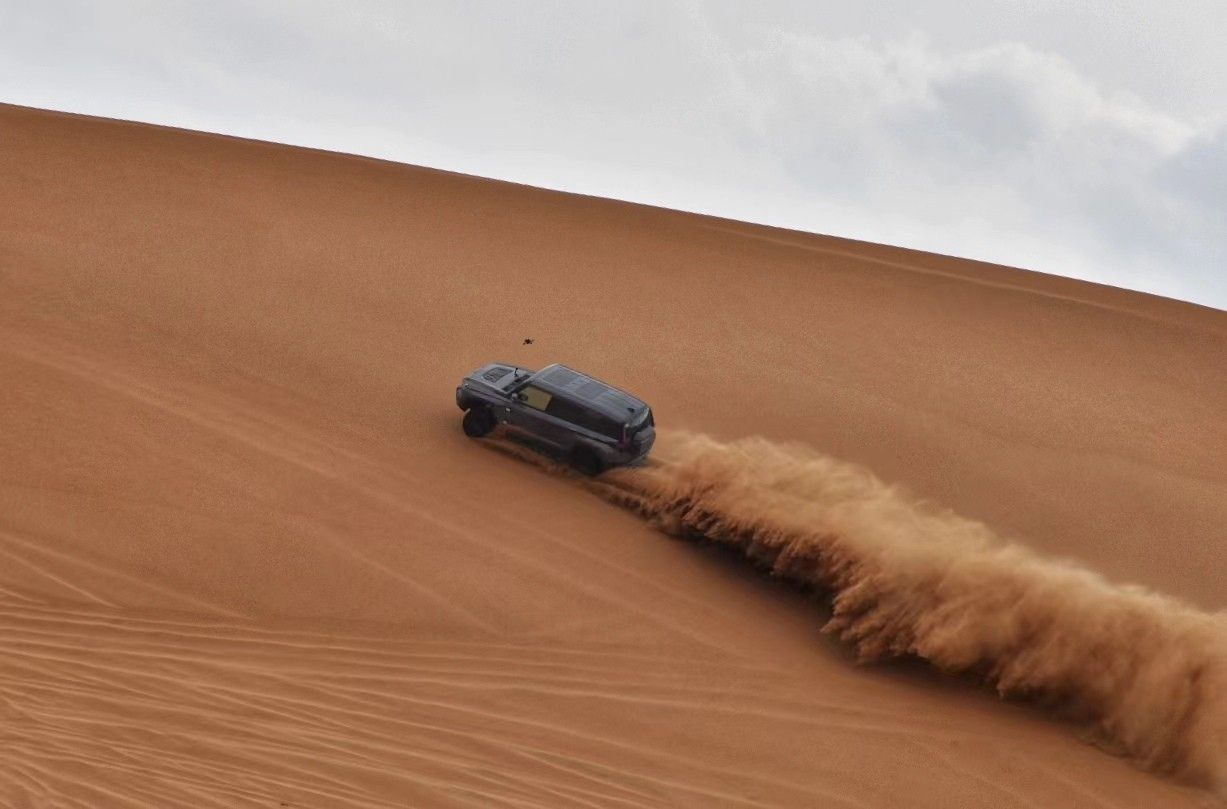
{"x":586,"y":461}
{"x":478,"y":421}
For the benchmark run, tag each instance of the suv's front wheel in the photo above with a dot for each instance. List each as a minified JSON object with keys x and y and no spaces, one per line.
{"x":478,"y":421}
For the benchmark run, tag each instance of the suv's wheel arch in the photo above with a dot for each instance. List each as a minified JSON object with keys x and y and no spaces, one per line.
{"x":479,"y":420}
{"x":586,"y":460}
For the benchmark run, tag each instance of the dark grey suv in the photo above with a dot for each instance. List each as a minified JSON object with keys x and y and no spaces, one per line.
{"x":594,"y":425}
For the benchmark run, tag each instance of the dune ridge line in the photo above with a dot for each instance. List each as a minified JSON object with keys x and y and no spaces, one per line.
{"x":1146,"y":672}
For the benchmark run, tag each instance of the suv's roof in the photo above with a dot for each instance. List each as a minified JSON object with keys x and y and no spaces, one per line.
{"x":606,"y":399}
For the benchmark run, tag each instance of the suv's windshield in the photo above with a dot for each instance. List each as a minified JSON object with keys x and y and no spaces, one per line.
{"x":534,"y":397}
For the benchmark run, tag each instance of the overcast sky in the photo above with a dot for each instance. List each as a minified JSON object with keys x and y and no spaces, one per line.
{"x":1078,"y":137}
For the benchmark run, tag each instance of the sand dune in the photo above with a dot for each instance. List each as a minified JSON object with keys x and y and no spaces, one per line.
{"x":247,"y":558}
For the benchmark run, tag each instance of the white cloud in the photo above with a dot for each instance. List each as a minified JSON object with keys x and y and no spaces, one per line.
{"x":1004,"y":153}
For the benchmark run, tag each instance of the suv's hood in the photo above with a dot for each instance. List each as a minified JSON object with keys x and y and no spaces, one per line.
{"x":498,"y":375}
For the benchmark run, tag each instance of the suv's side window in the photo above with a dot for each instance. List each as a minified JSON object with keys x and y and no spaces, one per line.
{"x":535,"y":397}
{"x":606,"y":426}
{"x":565,"y":410}
{"x":577,"y":414}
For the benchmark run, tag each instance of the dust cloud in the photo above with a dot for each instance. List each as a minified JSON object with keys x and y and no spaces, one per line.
{"x":1145,"y":672}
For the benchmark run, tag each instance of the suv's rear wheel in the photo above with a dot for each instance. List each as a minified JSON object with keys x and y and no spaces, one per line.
{"x":478,"y":421}
{"x":586,"y":461}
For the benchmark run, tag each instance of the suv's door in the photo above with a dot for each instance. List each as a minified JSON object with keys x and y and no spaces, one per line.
{"x":528,"y":415}
{"x":580,"y":423}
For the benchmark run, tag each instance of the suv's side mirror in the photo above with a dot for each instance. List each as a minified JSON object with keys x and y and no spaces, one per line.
{"x":518,"y":397}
